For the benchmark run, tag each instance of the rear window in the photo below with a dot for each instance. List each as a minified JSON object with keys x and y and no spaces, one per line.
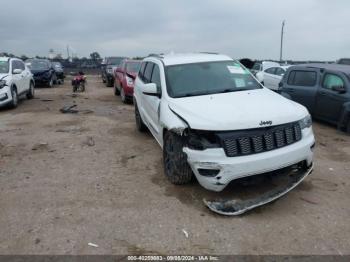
{"x":302,"y":78}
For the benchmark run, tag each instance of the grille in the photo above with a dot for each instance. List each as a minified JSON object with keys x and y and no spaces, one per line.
{"x":259,"y":140}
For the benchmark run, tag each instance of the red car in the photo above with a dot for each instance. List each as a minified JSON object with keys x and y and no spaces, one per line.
{"x":125,"y":76}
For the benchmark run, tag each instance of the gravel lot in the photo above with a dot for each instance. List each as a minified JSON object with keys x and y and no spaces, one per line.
{"x":70,"y":179}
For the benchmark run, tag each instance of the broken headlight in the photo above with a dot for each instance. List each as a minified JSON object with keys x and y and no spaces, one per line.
{"x":305,"y":122}
{"x":201,"y":140}
{"x":2,"y":83}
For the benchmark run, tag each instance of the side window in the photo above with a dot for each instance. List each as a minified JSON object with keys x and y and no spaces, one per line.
{"x":332,"y":80}
{"x":148,"y":72}
{"x":271,"y":70}
{"x":142,"y":69}
{"x":15,"y":65}
{"x":21,"y":65}
{"x":156,"y":78}
{"x":279,"y":71}
{"x":302,"y":78}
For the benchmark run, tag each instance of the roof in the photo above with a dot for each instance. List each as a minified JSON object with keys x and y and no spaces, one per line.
{"x":186,"y":58}
{"x":336,"y":67}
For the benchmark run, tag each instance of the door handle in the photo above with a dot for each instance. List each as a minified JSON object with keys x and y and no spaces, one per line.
{"x":322,"y":93}
{"x":290,"y":90}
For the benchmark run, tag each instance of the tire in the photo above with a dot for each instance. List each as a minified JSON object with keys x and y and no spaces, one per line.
{"x":14,"y":101}
{"x":109,"y":83}
{"x":348,"y":127}
{"x":139,"y":122}
{"x":123,"y":96}
{"x":50,"y":83}
{"x":30,"y":94}
{"x":116,"y":90}
{"x":176,"y":168}
{"x":54,"y":79}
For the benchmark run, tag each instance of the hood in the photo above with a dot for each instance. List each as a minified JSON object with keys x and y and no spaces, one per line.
{"x":3,"y":76}
{"x":39,"y":72}
{"x":237,"y":110}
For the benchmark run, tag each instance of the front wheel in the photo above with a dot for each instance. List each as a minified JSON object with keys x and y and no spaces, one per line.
{"x":139,"y":122}
{"x":123,"y":96}
{"x":14,"y":102}
{"x":50,"y":83}
{"x":116,"y":90}
{"x":30,"y":94}
{"x":176,"y":168}
{"x":348,"y":127}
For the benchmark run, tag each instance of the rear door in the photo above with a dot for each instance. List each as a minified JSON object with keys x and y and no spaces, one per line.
{"x":302,"y":84}
{"x":329,"y":102}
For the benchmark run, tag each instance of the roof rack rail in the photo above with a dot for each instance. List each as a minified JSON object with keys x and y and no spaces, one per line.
{"x":209,"y":53}
{"x":156,"y":55}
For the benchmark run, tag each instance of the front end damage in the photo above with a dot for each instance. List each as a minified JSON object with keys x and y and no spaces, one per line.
{"x":282,"y":184}
{"x":286,"y":165}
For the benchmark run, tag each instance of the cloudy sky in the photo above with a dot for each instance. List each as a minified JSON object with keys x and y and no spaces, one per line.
{"x":315,"y":29}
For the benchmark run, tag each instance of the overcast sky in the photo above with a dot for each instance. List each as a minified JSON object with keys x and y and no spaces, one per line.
{"x":315,"y":29}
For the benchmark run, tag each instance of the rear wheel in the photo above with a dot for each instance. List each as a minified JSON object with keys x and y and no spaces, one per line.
{"x":30,"y":94}
{"x":176,"y":167}
{"x":14,"y":102}
{"x":139,"y":122}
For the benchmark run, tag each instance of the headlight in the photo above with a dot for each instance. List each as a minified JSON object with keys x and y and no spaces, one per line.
{"x":110,"y":70}
{"x":305,"y":122}
{"x":129,"y":81}
{"x":2,"y":83}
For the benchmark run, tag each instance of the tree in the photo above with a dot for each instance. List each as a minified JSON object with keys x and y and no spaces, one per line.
{"x":24,"y":57}
{"x":95,"y":56}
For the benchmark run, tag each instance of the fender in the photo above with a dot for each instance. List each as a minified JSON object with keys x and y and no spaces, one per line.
{"x":344,"y":117}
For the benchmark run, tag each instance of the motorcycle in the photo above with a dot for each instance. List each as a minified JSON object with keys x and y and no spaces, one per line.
{"x":78,"y":82}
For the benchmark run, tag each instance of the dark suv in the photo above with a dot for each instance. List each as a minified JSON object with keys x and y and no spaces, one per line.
{"x":323,"y":88}
{"x":107,"y":69}
{"x":43,"y":71}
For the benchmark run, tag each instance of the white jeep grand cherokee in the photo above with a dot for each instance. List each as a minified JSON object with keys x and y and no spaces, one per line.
{"x":213,"y":119}
{"x":15,"y":80}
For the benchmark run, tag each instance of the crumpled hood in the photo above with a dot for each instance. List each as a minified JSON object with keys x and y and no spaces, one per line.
{"x":237,"y":110}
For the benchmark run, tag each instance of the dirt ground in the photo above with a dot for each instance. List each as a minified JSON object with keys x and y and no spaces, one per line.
{"x":70,"y":179}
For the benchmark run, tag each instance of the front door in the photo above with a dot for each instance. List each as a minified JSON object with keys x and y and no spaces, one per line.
{"x":329,"y":102}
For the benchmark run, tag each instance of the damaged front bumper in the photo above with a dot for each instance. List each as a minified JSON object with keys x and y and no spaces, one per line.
{"x":236,"y":207}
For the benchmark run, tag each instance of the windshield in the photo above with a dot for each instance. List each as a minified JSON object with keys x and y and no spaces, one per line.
{"x":4,"y":67}
{"x":115,"y":60}
{"x":133,"y":66}
{"x":208,"y":78}
{"x":344,"y":61}
{"x":38,"y":64}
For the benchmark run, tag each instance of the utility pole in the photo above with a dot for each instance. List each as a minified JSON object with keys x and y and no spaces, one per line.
{"x":68,"y":51}
{"x":282,"y":32}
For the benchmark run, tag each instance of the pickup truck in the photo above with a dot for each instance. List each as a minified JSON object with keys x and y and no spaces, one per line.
{"x":324,"y":89}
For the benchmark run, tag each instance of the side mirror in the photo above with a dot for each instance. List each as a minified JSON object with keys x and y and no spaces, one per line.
{"x":150,"y":89}
{"x":339,"y":89}
{"x":17,"y":71}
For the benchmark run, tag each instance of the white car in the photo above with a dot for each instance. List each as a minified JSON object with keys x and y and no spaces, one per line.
{"x":262,"y":66}
{"x":272,"y":76}
{"x":15,"y":80}
{"x":213,"y":120}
